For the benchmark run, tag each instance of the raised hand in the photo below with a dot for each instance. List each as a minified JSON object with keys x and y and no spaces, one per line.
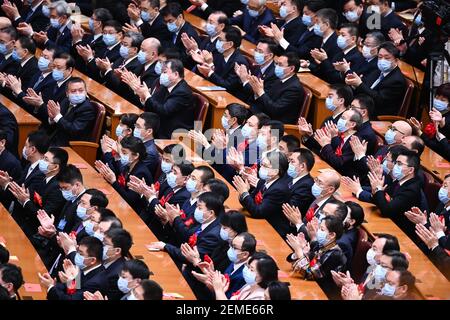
{"x":322,"y":137}
{"x":427,"y":236}
{"x":354,"y":185}
{"x":292,"y":213}
{"x":374,"y":166}
{"x":235,"y":159}
{"x":376,"y":182}
{"x":352,"y":79}
{"x":304,"y":127}
{"x":241,"y":185}
{"x":416,"y":216}
{"x":359,"y":148}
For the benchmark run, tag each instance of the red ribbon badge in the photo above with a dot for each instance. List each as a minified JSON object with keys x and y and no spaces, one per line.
{"x":430,"y":130}
{"x":121,"y":180}
{"x":258,"y":198}
{"x":192,"y":240}
{"x":207,"y":258}
{"x":37,"y":199}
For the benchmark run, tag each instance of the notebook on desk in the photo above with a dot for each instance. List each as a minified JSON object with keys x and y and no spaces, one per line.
{"x":211,"y":88}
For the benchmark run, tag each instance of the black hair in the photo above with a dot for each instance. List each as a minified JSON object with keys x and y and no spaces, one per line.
{"x":27,"y":43}
{"x":356,"y":212}
{"x":98,"y":198}
{"x":152,"y":290}
{"x":103,"y":15}
{"x":276,"y":128}
{"x":412,"y":159}
{"x":137,"y":268}
{"x":334,"y":224}
{"x":39,"y":140}
{"x":279,"y":290}
{"x":391,"y":48}
{"x":70,"y":61}
{"x":399,"y":260}
{"x":60,"y":156}
{"x":306,"y":157}
{"x":292,"y":142}
{"x":75,"y":80}
{"x":328,"y":16}
{"x":237,"y":111}
{"x":278,"y":161}
{"x":129,"y":119}
{"x":267,"y":268}
{"x":120,"y":238}
{"x":4,"y":255}
{"x":391,"y":242}
{"x":219,"y":187}
{"x":343,"y":91}
{"x":94,"y":247}
{"x":271,"y":44}
{"x":407,"y":278}
{"x":262,"y":119}
{"x":418,"y":145}
{"x":171,"y":53}
{"x":249,"y":243}
{"x":443,"y":90}
{"x":135,"y":145}
{"x":70,"y":174}
{"x":12,"y":274}
{"x":114,"y":24}
{"x":315,"y":5}
{"x":173,"y":9}
{"x":176,"y":66}
{"x":11,"y":31}
{"x":341,"y":210}
{"x":105,"y":212}
{"x":186,"y":168}
{"x":212,"y":202}
{"x":235,"y":220}
{"x":292,"y":60}
{"x":366,"y":102}
{"x":351,"y":28}
{"x":115,"y":222}
{"x":207,"y":173}
{"x":234,"y":35}
{"x":151,"y":121}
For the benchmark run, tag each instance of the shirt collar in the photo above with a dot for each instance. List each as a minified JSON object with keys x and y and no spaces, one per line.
{"x":349,"y":49}
{"x":295,"y":180}
{"x":326,"y":39}
{"x":205,"y":225}
{"x":24,"y":62}
{"x":153,"y":20}
{"x":96,"y":267}
{"x":113,"y":46}
{"x":68,"y":24}
{"x":266,"y":152}
{"x":319,"y":204}
{"x":8,"y":55}
{"x":129,"y":60}
{"x":268,"y":184}
{"x":263,"y":69}
{"x":192,"y":201}
{"x":96,"y":36}
{"x":236,"y":266}
{"x":35,"y":7}
{"x":286,"y":79}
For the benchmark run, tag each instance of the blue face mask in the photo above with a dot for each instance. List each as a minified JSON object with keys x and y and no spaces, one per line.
{"x":89,"y":228}
{"x":224,"y":234}
{"x":142,"y":57}
{"x":122,"y":284}
{"x":249,"y":276}
{"x":198,"y":216}
{"x":210,"y":29}
{"x":145,"y":16}
{"x":76,"y":98}
{"x":397,"y":172}
{"x":43,"y":166}
{"x":259,"y":58}
{"x":124,"y":159}
{"x":68,"y":195}
{"x":91,"y":24}
{"x":164,"y":80}
{"x":172,"y":180}
{"x":232,"y":256}
{"x":351,"y":16}
{"x":43,"y":64}
{"x":172,"y":26}
{"x":119,"y":131}
{"x":57,"y":75}
{"x":279,"y":72}
{"x":261,"y":142}
{"x":46,"y":11}
{"x":307,"y":20}
{"x":24,"y":153}
{"x":219,"y":46}
{"x":166,"y":167}
{"x":105,"y":253}
{"x":384,"y":65}
{"x":191,"y":186}
{"x":443,"y":195}
{"x":329,"y":104}
{"x":15,"y":55}
{"x":55,"y":23}
{"x":317,"y":30}
{"x":418,"y":20}
{"x":342,"y":125}
{"x":263,"y":173}
{"x":124,"y":52}
{"x":283,"y":11}
{"x":137,"y":133}
{"x":322,"y":237}
{"x":79,"y":261}
{"x":158,"y":67}
{"x":316,"y":190}
{"x":379,"y":273}
{"x":225,"y":124}
{"x":389,"y":136}
{"x":440,"y":105}
{"x":388,"y":290}
{"x":292,"y":172}
{"x":341,"y":42}
{"x":246,"y":131}
{"x":253,"y":13}
{"x":386,"y":170}
{"x":99,"y":236}
{"x":82,"y":213}
{"x":3,"y":49}
{"x":244,"y":2}
{"x":109,"y":39}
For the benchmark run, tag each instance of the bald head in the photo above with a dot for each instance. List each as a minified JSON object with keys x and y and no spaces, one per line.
{"x":329,"y":181}
{"x":404,"y":127}
{"x":152,"y":48}
{"x":5,"y":22}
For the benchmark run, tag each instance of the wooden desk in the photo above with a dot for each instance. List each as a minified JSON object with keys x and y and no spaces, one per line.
{"x":160,"y":263}
{"x":412,"y":73}
{"x":27,"y":123}
{"x":27,"y":258}
{"x":431,"y":283}
{"x":268,"y":239}
{"x":115,"y":105}
{"x":431,"y":161}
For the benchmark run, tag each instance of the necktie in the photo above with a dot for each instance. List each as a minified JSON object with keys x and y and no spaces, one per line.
{"x":41,"y":78}
{"x":58,"y":34}
{"x":30,"y":13}
{"x":302,"y":37}
{"x":380,"y":78}
{"x":310,"y":213}
{"x":242,"y":146}
{"x":174,"y":38}
{"x":338,"y":151}
{"x":290,"y":184}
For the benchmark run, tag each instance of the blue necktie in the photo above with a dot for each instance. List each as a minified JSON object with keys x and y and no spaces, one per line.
{"x":41,"y":78}
{"x":30,"y":13}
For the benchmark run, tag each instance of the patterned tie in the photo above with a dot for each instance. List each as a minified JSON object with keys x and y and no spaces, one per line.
{"x":377,"y":82}
{"x":41,"y":78}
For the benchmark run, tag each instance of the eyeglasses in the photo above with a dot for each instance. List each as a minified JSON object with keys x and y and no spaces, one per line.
{"x":395,"y":129}
{"x":401,"y":163}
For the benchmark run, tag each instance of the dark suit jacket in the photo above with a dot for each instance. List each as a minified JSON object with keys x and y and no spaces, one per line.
{"x":330,"y":47}
{"x":36,"y":19}
{"x":109,"y":280}
{"x":348,"y":244}
{"x":113,"y":82}
{"x":269,"y":78}
{"x":190,"y":31}
{"x":282,"y":102}
{"x":367,"y":67}
{"x":157,"y":30}
{"x":97,"y":45}
{"x":304,"y":44}
{"x":175,"y":109}
{"x":10,"y":164}
{"x":9,"y":65}
{"x":311,"y":143}
{"x":367,"y":133}
{"x":301,"y":195}
{"x":327,"y":72}
{"x":390,"y":21}
{"x":8,"y":123}
{"x":27,"y":72}
{"x":90,"y":282}
{"x":302,"y":228}
{"x":342,"y":163}
{"x":389,"y":92}
{"x":237,"y":280}
{"x":63,"y":41}
{"x":442,"y":147}
{"x":270,"y":207}
{"x":74,"y":125}
{"x":250,"y":24}
{"x":46,"y":87}
{"x":224,"y":74}
{"x":112,"y":54}
{"x":293,"y":29}
{"x":442,"y":259}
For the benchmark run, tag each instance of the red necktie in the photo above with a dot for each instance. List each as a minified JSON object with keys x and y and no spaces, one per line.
{"x":242,"y":146}
{"x":310,"y":212}
{"x":338,"y":151}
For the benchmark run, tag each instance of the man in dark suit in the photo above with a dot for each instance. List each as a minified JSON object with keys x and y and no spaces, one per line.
{"x":301,"y":163}
{"x":134,"y":271}
{"x":404,"y":195}
{"x":386,"y":86}
{"x":74,"y":118}
{"x":49,"y":198}
{"x":11,"y":279}
{"x":333,"y":69}
{"x":265,"y":201}
{"x":365,"y":106}
{"x":282,"y":102}
{"x":31,"y":14}
{"x":93,"y":40}
{"x":177,"y":25}
{"x":150,"y":21}
{"x":8,"y":64}
{"x":88,"y":259}
{"x":32,"y":178}
{"x":8,"y":162}
{"x":112,"y":38}
{"x":111,"y":72}
{"x":254,"y":15}
{"x":205,"y":8}
{"x":221,"y":70}
{"x":308,"y":40}
{"x":389,"y":19}
{"x":9,"y":126}
{"x":371,"y":44}
{"x":59,"y":32}
{"x":116,"y":248}
{"x":336,"y":149}
{"x":172,"y":101}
